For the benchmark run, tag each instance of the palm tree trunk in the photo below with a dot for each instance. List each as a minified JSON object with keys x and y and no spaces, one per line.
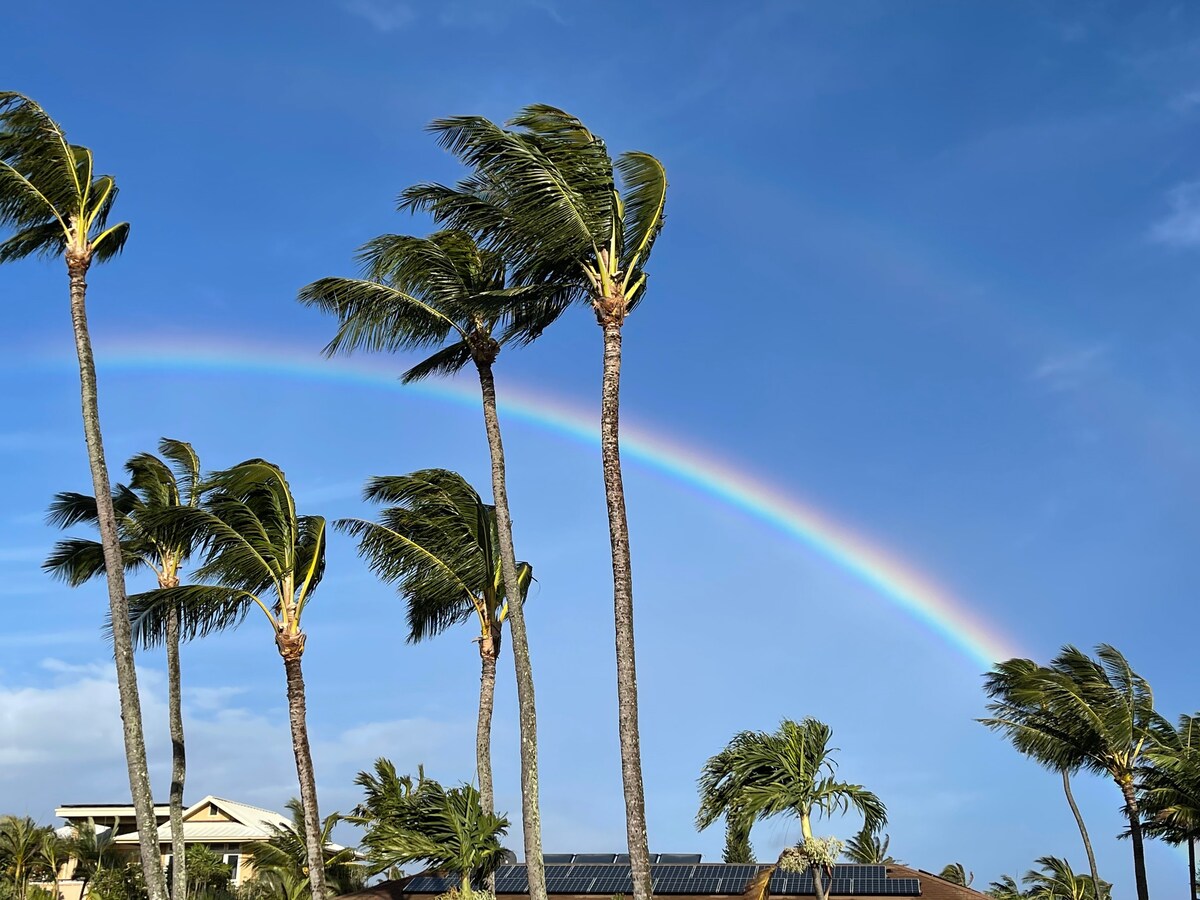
{"x":1135,"y":835}
{"x":1191,"y":866}
{"x":118,"y":603}
{"x":819,"y":887}
{"x":291,"y":648}
{"x":1083,"y":832}
{"x":483,"y":731}
{"x":531,"y":816}
{"x":178,"y":756}
{"x":618,"y":528}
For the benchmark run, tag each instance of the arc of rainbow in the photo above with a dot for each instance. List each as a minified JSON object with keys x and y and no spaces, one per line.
{"x":913,"y":593}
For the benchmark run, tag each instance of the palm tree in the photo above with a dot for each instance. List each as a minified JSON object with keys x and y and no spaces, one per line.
{"x":1170,"y":790}
{"x":154,"y":485}
{"x":790,"y":771}
{"x":282,"y":859}
{"x":55,"y":204}
{"x":93,"y":849}
{"x":54,"y":853}
{"x":1057,"y":881}
{"x":446,"y":291}
{"x":22,"y":842}
{"x":738,"y":848}
{"x":545,"y":195}
{"x":1096,"y":714}
{"x":444,"y":829}
{"x":1006,"y":888}
{"x":1016,"y":688}
{"x":258,"y":552}
{"x":868,"y":848}
{"x":438,"y":543}
{"x":956,"y":873}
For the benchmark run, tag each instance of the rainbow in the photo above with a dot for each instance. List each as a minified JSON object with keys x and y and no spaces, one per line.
{"x":894,"y":580}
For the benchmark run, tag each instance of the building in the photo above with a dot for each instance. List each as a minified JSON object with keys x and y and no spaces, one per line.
{"x":682,"y":877}
{"x":224,"y":826}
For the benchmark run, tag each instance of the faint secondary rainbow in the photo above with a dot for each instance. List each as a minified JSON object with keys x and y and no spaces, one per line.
{"x":891,"y":578}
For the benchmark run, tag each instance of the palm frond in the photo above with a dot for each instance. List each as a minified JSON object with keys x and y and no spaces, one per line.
{"x":202,"y":608}
{"x":375,"y":316}
{"x":446,"y":361}
{"x":644,"y":192}
{"x":77,"y":561}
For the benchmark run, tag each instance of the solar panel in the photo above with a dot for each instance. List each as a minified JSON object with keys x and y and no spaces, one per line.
{"x":902,"y":887}
{"x":595,"y":857}
{"x":678,"y":858}
{"x":557,"y":859}
{"x":622,"y":859}
{"x":512,"y":880}
{"x":615,"y":881}
{"x":606,"y":879}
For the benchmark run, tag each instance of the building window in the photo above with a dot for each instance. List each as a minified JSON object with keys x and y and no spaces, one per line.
{"x":212,"y":810}
{"x":231,"y":860}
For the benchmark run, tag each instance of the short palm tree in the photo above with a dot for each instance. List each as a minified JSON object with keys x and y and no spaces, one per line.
{"x":1170,"y":790}
{"x":546,"y":195}
{"x":444,"y":829}
{"x":437,"y":541}
{"x":956,"y":873}
{"x":55,"y":204}
{"x":1006,"y":888}
{"x":869,"y":848}
{"x":446,"y":291}
{"x":282,"y":859}
{"x":1058,"y":881}
{"x":22,"y":842}
{"x":1096,"y":714}
{"x":93,"y":850}
{"x":787,"y":772}
{"x":54,"y":854}
{"x":154,"y":485}
{"x":259,"y":553}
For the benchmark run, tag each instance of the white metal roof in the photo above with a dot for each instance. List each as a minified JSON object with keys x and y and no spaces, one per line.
{"x":250,"y":823}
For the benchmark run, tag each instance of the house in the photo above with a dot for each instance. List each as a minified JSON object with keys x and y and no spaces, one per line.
{"x":681,"y":877}
{"x":224,"y":826}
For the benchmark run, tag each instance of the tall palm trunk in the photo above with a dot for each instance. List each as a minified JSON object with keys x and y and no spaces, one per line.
{"x":618,"y":528}
{"x":1192,"y":866}
{"x":1083,"y":832}
{"x":118,"y":603}
{"x":178,"y":755}
{"x":291,"y":648}
{"x":531,"y":816}
{"x":489,"y":646}
{"x":1135,"y":835}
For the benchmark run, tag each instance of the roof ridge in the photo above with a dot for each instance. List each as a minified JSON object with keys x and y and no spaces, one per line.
{"x":248,"y":805}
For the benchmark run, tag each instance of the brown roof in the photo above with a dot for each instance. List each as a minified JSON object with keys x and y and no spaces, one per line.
{"x":934,"y":887}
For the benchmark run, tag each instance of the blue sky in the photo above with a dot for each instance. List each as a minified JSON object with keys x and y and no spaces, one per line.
{"x":931,"y":266}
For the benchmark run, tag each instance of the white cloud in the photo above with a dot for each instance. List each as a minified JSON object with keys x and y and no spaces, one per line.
{"x":1181,"y":227}
{"x":61,"y":742}
{"x":383,"y":15}
{"x":1072,"y":369}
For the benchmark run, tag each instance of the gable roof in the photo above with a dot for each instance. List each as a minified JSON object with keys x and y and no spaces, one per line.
{"x":245,"y":823}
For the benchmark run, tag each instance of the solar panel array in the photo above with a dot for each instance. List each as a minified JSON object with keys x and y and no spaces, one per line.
{"x":587,"y":874}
